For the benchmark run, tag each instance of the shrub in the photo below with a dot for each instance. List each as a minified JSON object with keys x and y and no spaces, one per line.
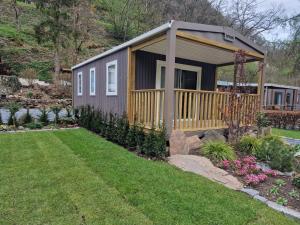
{"x":278,"y":154}
{"x":28,"y":117}
{"x":218,"y":151}
{"x":149,"y":142}
{"x":1,"y":121}
{"x":283,"y":119}
{"x":67,"y":121}
{"x":34,"y":125}
{"x":56,"y":110}
{"x":122,"y":127}
{"x":131,"y":138}
{"x":296,"y":181}
{"x":13,"y":107}
{"x":69,"y":111}
{"x":44,"y":116}
{"x":248,"y":145}
{"x":262,"y":121}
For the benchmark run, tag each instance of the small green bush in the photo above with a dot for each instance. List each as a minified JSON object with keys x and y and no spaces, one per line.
{"x":34,"y":125}
{"x":1,"y":121}
{"x":155,"y":143}
{"x":44,"y":116}
{"x":218,"y":151}
{"x":279,"y":155}
{"x":248,"y":145}
{"x":296,"y":181}
{"x":131,"y":138}
{"x":28,"y":117}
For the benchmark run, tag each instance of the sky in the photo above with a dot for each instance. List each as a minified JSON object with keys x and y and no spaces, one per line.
{"x":291,"y":7}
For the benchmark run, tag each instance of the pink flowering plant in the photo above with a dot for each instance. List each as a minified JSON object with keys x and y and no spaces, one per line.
{"x":247,"y":168}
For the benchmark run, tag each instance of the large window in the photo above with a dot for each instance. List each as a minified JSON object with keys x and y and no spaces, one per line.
{"x":111,"y":78}
{"x":79,"y":84}
{"x":278,"y":98}
{"x":186,"y":76}
{"x":92,"y":81}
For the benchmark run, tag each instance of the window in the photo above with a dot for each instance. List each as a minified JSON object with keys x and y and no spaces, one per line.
{"x":278,"y":98}
{"x":92,"y":81}
{"x":79,"y":84}
{"x":186,"y":76}
{"x":111,"y":78}
{"x":288,"y":98}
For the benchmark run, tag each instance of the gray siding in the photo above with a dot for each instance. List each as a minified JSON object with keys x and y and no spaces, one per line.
{"x":115,"y":104}
{"x":146,"y":70}
{"x":269,"y":97}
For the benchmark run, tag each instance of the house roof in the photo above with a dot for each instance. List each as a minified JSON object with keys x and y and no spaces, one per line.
{"x":228,"y":83}
{"x":180,"y":25}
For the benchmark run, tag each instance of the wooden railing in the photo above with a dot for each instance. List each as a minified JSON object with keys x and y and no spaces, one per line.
{"x":193,"y":109}
{"x":148,"y":106}
{"x":197,"y":109}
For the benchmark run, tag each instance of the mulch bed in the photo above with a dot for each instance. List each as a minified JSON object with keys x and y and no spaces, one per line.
{"x":283,"y":191}
{"x":264,"y":190}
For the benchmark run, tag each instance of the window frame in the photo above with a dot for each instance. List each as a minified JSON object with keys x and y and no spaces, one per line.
{"x":80,"y":83}
{"x":160,"y":64}
{"x":94,"y":70}
{"x":112,"y":63}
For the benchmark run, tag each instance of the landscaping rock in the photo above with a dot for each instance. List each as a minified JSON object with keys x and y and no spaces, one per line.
{"x":193,"y":143}
{"x":260,"y":198}
{"x":291,"y":213}
{"x":178,"y":143}
{"x":250,"y":191}
{"x":212,"y":135}
{"x":204,"y":167}
{"x":275,"y":206}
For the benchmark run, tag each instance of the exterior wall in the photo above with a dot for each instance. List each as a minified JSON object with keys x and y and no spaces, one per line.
{"x":115,"y":104}
{"x":269,"y":98}
{"x":146,"y":70}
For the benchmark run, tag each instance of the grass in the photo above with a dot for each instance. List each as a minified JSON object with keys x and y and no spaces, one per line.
{"x":286,"y":133}
{"x":75,"y":177}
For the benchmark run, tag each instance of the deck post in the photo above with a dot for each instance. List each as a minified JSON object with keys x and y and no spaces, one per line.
{"x":169,"y":80}
{"x":261,"y":83}
{"x":130,"y":83}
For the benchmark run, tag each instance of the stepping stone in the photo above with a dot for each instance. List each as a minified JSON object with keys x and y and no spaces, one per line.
{"x":204,"y":167}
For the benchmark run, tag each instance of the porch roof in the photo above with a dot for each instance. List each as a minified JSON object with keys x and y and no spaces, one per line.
{"x":214,"y":41}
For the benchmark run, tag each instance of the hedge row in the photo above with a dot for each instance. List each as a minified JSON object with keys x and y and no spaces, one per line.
{"x":283,"y":119}
{"x":117,"y":129}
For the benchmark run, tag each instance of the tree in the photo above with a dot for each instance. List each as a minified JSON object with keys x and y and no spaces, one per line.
{"x":55,"y":27}
{"x":17,"y":12}
{"x":81,"y":26}
{"x":245,"y":16}
{"x":30,"y":75}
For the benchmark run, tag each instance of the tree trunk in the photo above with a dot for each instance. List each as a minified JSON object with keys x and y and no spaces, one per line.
{"x":57,"y":66}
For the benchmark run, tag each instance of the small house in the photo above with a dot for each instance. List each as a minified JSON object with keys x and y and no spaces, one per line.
{"x":169,"y":75}
{"x":275,"y":97}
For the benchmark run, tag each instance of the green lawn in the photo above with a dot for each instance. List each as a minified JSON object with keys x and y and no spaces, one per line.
{"x":286,"y":133}
{"x":75,"y":177}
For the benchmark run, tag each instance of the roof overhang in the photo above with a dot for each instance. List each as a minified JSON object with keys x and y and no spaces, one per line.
{"x":215,"y":52}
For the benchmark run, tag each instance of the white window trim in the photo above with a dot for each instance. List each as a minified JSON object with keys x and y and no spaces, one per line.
{"x":115,"y":63}
{"x":160,"y":64}
{"x":92,"y":93}
{"x":79,"y":92}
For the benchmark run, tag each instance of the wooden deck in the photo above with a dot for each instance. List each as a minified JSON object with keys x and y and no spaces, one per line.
{"x":193,"y":109}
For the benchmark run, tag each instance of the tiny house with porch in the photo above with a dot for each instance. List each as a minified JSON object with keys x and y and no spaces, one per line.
{"x":168,"y":75}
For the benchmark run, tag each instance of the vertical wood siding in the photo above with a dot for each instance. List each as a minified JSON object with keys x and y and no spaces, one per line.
{"x":115,"y":104}
{"x":146,"y":70}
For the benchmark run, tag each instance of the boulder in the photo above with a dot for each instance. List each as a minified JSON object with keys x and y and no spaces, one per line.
{"x":178,"y":143}
{"x":193,"y":144}
{"x":212,"y":135}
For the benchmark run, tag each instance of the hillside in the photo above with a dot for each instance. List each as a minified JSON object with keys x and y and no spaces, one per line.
{"x":102,"y":20}
{"x":20,"y":49}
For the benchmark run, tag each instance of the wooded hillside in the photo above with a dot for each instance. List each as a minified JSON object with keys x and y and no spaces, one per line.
{"x":47,"y":35}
